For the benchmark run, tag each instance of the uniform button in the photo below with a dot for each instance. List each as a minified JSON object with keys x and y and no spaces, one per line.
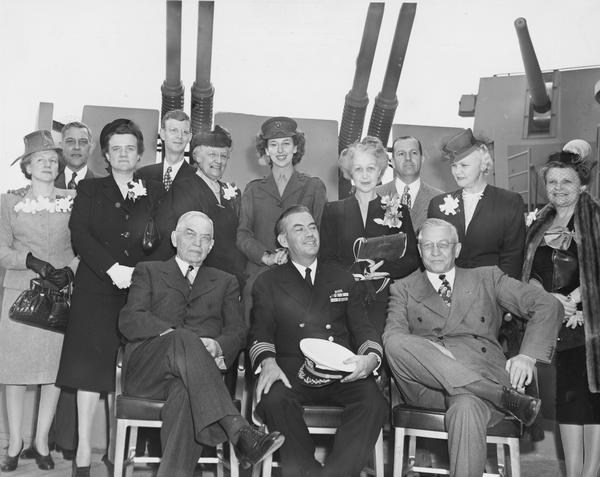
{"x":125,"y":234}
{"x":126,"y":253}
{"x":475,"y":336}
{"x":330,"y":338}
{"x":483,"y":349}
{"x":327,"y":326}
{"x":419,"y":319}
{"x":301,"y":325}
{"x":127,"y":217}
{"x":482,"y":319}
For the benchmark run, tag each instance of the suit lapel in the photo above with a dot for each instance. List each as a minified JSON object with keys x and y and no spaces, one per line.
{"x":483,"y":204}
{"x":268,"y":186}
{"x":60,"y":181}
{"x":423,"y":292}
{"x":173,"y":278}
{"x":293,"y":284}
{"x":113,"y":194}
{"x":292,"y":186}
{"x":463,"y":294}
{"x":204,"y":282}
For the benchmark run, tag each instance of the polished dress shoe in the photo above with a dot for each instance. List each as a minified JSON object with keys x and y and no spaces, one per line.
{"x":80,"y":471}
{"x":525,"y":408}
{"x":254,"y":445}
{"x":11,"y":463}
{"x":44,"y":462}
{"x":68,"y":454}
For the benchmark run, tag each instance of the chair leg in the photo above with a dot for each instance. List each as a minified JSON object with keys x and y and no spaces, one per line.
{"x":219,"y":451}
{"x":233,"y":462}
{"x":398,"y":451}
{"x":119,"y":447}
{"x":378,"y":456}
{"x":267,"y":466}
{"x":130,"y":462}
{"x":515,"y":455}
{"x":500,"y":454}
{"x":412,"y":451}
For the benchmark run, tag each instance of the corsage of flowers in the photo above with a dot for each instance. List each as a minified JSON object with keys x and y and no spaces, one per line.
{"x":530,"y":217}
{"x":136,"y":189}
{"x":450,"y":205}
{"x":32,"y":206}
{"x":393,"y":212}
{"x":230,"y":191}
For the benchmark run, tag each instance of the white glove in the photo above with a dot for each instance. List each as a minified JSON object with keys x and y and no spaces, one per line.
{"x":120,"y":275}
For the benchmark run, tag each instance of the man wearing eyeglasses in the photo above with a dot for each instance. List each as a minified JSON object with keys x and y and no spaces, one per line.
{"x":175,"y":131}
{"x":77,"y":144}
{"x":441,"y":343}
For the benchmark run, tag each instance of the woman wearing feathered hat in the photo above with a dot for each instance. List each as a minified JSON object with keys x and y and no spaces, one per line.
{"x":109,"y":218}
{"x":562,"y":256}
{"x":34,"y":242}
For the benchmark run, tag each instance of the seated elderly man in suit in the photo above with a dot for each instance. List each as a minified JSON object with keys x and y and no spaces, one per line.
{"x":441,"y":343}
{"x":183,"y":326}
{"x":308,"y":299}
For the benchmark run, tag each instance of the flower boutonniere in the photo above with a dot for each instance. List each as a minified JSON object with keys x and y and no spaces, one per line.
{"x":230,"y":191}
{"x":450,"y":205}
{"x":530,"y":217}
{"x":136,"y":189}
{"x":32,"y":206}
{"x":393,"y":212}
{"x":64,"y":203}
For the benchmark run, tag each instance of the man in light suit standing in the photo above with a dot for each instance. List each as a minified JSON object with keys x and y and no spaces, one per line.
{"x":407,"y":159}
{"x":441,"y":343}
{"x":77,"y":144}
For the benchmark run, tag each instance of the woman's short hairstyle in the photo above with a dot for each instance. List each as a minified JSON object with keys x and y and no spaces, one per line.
{"x":564,"y":160}
{"x":299,"y":142}
{"x":346,"y":159}
{"x":487,"y":161}
{"x":121,"y":126}
{"x":26,"y":161}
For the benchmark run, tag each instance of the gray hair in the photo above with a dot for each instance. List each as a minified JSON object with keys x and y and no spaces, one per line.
{"x":193,"y":214}
{"x":346,"y":159}
{"x":432,"y":223}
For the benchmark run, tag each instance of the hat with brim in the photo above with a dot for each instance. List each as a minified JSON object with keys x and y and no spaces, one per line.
{"x":37,"y":141}
{"x":324,"y":362}
{"x":314,"y":376}
{"x":218,"y":137}
{"x":278,"y":127}
{"x":578,"y":146}
{"x":460,"y":145}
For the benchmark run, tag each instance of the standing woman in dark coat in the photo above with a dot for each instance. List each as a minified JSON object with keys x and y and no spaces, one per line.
{"x":362,"y":215}
{"x":107,"y":224}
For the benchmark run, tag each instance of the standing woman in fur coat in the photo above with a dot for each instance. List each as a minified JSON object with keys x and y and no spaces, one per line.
{"x":562,"y":256}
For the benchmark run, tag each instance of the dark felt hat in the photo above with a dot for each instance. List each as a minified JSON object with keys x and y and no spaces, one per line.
{"x":37,"y":141}
{"x":278,"y":127}
{"x":460,"y":145}
{"x":110,"y":128}
{"x":218,"y":137}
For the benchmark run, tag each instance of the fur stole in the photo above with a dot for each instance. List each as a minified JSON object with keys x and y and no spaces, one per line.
{"x":587,"y":237}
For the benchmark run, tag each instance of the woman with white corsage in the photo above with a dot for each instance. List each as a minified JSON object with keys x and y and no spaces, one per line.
{"x":562,"y":256}
{"x":366,"y":214}
{"x":107,"y":225}
{"x":34,"y":242}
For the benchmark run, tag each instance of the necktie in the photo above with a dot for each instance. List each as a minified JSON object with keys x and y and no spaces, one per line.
{"x":405,"y":199}
{"x":72,"y":184}
{"x":189,"y":277}
{"x":281,"y":183}
{"x":307,"y":278}
{"x":167,"y":179}
{"x":445,"y":291}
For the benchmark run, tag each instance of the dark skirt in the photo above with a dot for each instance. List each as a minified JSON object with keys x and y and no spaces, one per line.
{"x":91,"y":342}
{"x":575,"y":404}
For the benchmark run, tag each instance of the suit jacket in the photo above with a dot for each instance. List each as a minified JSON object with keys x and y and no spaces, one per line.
{"x":342,"y":224}
{"x":60,"y":178}
{"x":261,"y":207}
{"x":469,"y":328}
{"x":154,"y":172}
{"x":496,"y":234}
{"x":285,"y":310}
{"x":105,"y":229}
{"x":193,"y":193}
{"x":159,"y":298}
{"x":418,"y":211}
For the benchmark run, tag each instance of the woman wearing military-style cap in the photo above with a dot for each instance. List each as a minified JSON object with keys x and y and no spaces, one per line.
{"x":490,"y":220}
{"x":281,"y":146}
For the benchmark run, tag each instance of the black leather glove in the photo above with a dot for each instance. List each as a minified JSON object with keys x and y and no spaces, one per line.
{"x":61,"y":277}
{"x":38,"y":266}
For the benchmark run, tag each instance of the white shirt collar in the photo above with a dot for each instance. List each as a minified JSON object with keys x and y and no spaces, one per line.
{"x":302,"y":269}
{"x":413,"y":188}
{"x":183,"y":266}
{"x":435,"y":280}
{"x":80,"y":174}
{"x":174,"y":168}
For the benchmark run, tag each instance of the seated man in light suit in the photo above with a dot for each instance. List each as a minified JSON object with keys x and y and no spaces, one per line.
{"x":305,"y":298}
{"x":441,"y":343}
{"x":183,"y":326}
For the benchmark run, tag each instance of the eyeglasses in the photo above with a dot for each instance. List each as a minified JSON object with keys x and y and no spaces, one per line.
{"x":441,"y":246}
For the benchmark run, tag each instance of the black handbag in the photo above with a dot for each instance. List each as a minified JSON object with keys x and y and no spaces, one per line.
{"x":385,"y":247}
{"x":42,"y":306}
{"x":151,"y":237}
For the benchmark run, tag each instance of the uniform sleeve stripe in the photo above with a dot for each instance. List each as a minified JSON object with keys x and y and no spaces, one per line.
{"x":370,"y":345}
{"x":259,"y":348}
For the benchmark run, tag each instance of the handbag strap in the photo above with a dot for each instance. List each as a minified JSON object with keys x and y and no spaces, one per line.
{"x":356,"y":247}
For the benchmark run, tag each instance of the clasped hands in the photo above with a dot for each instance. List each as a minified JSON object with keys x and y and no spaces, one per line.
{"x":120,"y":275}
{"x":573,"y":316}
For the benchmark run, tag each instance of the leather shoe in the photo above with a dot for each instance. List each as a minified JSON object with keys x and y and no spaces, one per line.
{"x":254,"y":445}
{"x":525,"y":408}
{"x":68,"y":454}
{"x":81,"y":471}
{"x":11,"y":462}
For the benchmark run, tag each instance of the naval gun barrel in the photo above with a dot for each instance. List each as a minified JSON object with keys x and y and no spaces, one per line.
{"x":537,"y":86}
{"x":202,"y":89}
{"x":172,"y":87}
{"x":356,"y":101}
{"x":386,"y":101}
